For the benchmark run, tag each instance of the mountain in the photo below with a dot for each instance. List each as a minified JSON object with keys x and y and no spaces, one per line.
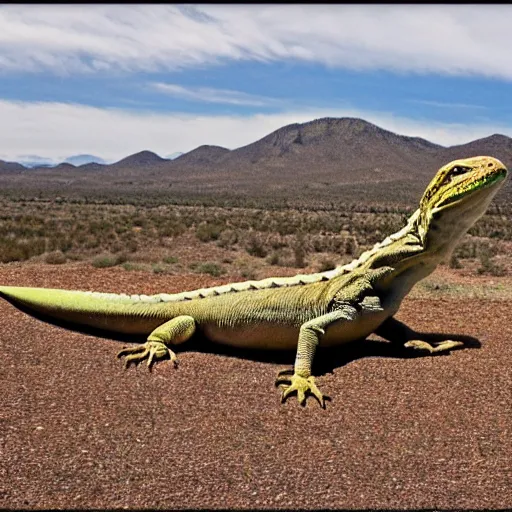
{"x":77,"y":160}
{"x":203,"y":155}
{"x":345,"y":144}
{"x":335,"y":157}
{"x":31,"y":161}
{"x":138,"y":160}
{"x":9,"y":167}
{"x":499,"y":146}
{"x":345,"y":139}
{"x":35,"y":161}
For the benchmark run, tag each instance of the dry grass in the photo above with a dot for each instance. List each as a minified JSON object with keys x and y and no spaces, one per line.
{"x":173,"y":238}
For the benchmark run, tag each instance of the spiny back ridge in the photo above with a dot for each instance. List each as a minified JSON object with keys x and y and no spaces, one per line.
{"x":271,"y":282}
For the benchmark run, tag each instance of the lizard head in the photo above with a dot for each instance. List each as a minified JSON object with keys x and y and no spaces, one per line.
{"x":456,"y":198}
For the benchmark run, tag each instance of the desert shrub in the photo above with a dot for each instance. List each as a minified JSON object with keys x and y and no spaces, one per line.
{"x":170,"y":260}
{"x":121,"y":258}
{"x":248,"y":272}
{"x":12,"y":253}
{"x":131,"y":245}
{"x":132,"y":266}
{"x":284,"y":257}
{"x":455,"y":262}
{"x":55,"y":258}
{"x":21,"y":250}
{"x":60,"y":243}
{"x":273,"y":258}
{"x":207,"y":231}
{"x":227,"y":238}
{"x":465,"y":249}
{"x":106,"y":261}
{"x":350,"y":246}
{"x":326,"y":264}
{"x":319,"y":244}
{"x":487,"y":264}
{"x":172,"y":228}
{"x":299,"y":251}
{"x":254,"y":246}
{"x":214,"y":269}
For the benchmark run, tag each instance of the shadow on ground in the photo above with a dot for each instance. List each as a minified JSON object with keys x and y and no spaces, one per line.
{"x":326,"y":360}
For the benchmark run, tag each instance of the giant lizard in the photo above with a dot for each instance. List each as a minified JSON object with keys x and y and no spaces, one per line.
{"x":328,"y":308}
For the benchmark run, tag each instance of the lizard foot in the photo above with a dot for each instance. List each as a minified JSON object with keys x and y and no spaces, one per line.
{"x":442,"y":346}
{"x":302,"y":385}
{"x":151,"y":350}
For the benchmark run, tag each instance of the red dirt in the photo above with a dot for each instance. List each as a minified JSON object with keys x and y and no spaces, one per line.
{"x":80,"y":432}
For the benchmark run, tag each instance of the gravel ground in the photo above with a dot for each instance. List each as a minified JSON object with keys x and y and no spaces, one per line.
{"x":80,"y":432}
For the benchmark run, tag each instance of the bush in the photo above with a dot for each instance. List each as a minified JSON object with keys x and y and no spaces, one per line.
{"x":255,"y":247}
{"x":55,"y":258}
{"x":455,"y":262}
{"x":299,"y":252}
{"x":131,"y":266}
{"x":326,"y":264}
{"x":207,"y":232}
{"x":273,"y":258}
{"x":108,"y":261}
{"x":488,"y":265}
{"x":214,"y":269}
{"x":227,"y":238}
{"x":350,"y":246}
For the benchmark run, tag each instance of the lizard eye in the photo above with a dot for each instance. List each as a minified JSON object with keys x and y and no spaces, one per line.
{"x":456,"y":171}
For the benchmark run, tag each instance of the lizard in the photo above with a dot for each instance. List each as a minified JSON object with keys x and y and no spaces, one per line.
{"x":302,"y":312}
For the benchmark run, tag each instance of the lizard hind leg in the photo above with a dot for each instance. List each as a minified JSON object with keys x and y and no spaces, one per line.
{"x":175,"y":331}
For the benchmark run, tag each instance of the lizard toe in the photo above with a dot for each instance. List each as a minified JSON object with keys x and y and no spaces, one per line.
{"x":152,"y":350}
{"x":303,"y":386}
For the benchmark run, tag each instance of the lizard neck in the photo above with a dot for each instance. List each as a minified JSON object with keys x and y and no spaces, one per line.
{"x":402,"y":259}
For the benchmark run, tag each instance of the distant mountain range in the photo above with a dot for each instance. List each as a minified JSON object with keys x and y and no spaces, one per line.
{"x":327,"y":153}
{"x":172,"y":156}
{"x":84,"y":159}
{"x":32,"y":161}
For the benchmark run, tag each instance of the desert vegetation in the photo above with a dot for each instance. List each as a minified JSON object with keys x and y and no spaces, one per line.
{"x":222,"y":238}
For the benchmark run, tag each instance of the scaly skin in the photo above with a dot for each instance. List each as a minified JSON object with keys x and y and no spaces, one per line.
{"x":304,"y":311}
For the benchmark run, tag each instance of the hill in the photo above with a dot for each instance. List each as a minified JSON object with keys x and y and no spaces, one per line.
{"x":335,"y":157}
{"x":142,"y":159}
{"x":202,"y":156}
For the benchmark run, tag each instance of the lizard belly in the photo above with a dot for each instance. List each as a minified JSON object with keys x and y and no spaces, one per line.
{"x":359,"y":328}
{"x":265,"y":336}
{"x":272,"y":336}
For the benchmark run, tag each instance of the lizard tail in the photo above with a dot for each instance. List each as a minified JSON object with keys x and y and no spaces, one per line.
{"x":75,"y":309}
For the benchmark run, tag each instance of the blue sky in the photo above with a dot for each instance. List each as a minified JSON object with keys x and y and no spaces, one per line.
{"x":116,"y":79}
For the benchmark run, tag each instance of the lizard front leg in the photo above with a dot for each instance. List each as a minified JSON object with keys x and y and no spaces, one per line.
{"x":397,"y":332}
{"x":311,"y":332}
{"x":177,"y":330}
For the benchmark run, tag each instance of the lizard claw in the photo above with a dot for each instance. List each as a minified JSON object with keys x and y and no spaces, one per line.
{"x":302,"y":385}
{"x":151,"y":350}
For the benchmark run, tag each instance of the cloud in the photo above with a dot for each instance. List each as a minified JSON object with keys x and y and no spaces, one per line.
{"x":210,"y":95}
{"x":447,"y":104}
{"x":58,"y":130}
{"x":445,"y":39}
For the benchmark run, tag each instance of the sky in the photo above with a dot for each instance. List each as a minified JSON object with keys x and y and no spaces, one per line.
{"x":112,"y":80}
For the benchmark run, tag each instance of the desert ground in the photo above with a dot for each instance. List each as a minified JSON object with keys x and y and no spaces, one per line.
{"x":79,"y":431}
